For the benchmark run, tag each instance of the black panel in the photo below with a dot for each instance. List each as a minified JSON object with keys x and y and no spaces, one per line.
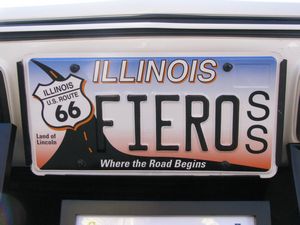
{"x":298,"y":121}
{"x":22,"y":92}
{"x":7,"y":140}
{"x":4,"y":111}
{"x":41,"y":196}
{"x":294,"y":156}
{"x":132,"y":32}
{"x":164,"y":18}
{"x":281,"y":109}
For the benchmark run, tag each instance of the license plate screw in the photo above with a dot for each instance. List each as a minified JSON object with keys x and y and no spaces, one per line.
{"x":225,"y":164}
{"x":227,"y":67}
{"x":81,"y":163}
{"x":74,"y":68}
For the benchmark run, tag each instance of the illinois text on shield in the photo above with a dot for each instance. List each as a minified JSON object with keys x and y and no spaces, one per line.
{"x":64,"y":104}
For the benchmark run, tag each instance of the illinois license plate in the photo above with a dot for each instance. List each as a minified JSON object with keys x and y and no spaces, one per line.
{"x":153,"y":115}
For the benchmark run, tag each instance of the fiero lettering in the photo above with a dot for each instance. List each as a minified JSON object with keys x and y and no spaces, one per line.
{"x":258,"y":112}
{"x":147,"y":71}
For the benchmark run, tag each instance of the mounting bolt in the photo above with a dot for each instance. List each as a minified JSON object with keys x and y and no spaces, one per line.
{"x":74,"y":68}
{"x":81,"y":163}
{"x":227,"y":67}
{"x":225,"y":164}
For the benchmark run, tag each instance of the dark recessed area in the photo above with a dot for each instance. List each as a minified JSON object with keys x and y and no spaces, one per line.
{"x":41,"y":196}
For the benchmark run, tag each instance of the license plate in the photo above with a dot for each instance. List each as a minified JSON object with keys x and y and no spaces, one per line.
{"x":153,"y":115}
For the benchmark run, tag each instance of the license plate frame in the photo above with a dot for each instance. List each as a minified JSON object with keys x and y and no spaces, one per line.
{"x":146,"y":171}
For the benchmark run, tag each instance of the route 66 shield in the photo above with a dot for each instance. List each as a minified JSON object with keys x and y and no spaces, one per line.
{"x":64,"y":103}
